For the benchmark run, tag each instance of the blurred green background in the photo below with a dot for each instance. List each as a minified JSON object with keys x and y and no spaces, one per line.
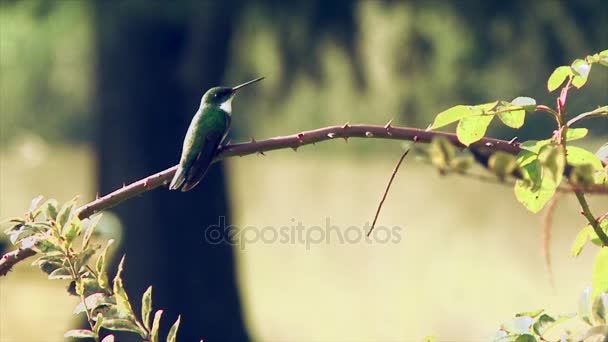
{"x":460,"y":268}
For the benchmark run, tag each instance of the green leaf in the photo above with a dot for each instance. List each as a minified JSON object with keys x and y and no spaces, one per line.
{"x":513,"y":119}
{"x":534,"y":190}
{"x":528,"y":103}
{"x":155,"y":326}
{"x":602,"y":153}
{"x":79,"y":333}
{"x":535,"y":145}
{"x":146,"y":307}
{"x":72,"y":230}
{"x":502,"y":164}
{"x":525,"y":338}
{"x":599,"y":277}
{"x":582,"y":175}
{"x":576,"y":133}
{"x":581,"y":71}
{"x":173,"y":331}
{"x":452,"y":114}
{"x":61,"y":273}
{"x":101,"y":266}
{"x":51,"y":209}
{"x":553,"y":160}
{"x":545,"y":322}
{"x":122,"y":300}
{"x":558,"y":77}
{"x":472,"y":129}
{"x":441,"y":152}
{"x":64,"y":214}
{"x":580,"y":156}
{"x":90,"y":229}
{"x":600,"y":308}
{"x":583,"y":235}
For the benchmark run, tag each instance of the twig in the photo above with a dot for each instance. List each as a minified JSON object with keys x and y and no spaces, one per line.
{"x":595,"y":224}
{"x":293,"y":141}
{"x":388,"y":186}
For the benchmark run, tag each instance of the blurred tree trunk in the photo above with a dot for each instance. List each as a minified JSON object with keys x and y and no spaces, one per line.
{"x":154,"y":61}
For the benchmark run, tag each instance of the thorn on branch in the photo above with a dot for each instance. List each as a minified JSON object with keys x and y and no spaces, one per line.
{"x":331,"y":135}
{"x":512,"y":141}
{"x":301,"y":138}
{"x":489,"y":144}
{"x":388,"y":124}
{"x":261,"y":153}
{"x":346,"y":125}
{"x":369,"y":134}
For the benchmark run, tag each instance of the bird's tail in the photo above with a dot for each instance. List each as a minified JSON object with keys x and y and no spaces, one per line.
{"x":178,"y":179}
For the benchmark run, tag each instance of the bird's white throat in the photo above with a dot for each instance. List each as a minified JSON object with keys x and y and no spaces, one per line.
{"x":226,"y":106}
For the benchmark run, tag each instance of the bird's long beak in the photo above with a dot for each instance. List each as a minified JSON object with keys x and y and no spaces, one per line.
{"x":246,"y":83}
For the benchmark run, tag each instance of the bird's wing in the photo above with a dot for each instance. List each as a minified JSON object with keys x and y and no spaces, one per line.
{"x":203,"y":160}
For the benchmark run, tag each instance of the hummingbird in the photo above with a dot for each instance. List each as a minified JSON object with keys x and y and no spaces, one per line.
{"x":207,"y":130}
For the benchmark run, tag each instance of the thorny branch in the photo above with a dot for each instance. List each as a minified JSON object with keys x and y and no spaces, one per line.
{"x":293,"y":141}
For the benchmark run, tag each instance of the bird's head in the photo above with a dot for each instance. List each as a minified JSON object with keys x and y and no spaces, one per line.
{"x":222,"y":96}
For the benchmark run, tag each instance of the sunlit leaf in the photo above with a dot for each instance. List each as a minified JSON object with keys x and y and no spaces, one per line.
{"x":558,"y":77}
{"x":98,"y":323}
{"x":173,"y":331}
{"x":518,"y":325}
{"x":64,"y":214}
{"x":122,"y":325}
{"x":90,"y":229}
{"x":528,"y":103}
{"x":599,"y":308}
{"x":581,"y":71}
{"x":94,"y":301}
{"x":72,"y":230}
{"x":532,"y":314}
{"x":101,"y":266}
{"x":580,"y":156}
{"x":441,"y":152}
{"x":545,"y":322}
{"x":35,"y":203}
{"x":122,"y":300}
{"x":79,"y":333}
{"x":51,"y":210}
{"x":553,"y":160}
{"x":108,"y":338}
{"x":146,"y":307}
{"x":576,"y":133}
{"x":602,"y":153}
{"x":471,"y":129}
{"x":534,"y":145}
{"x":155,"y":326}
{"x":534,"y":190}
{"x":452,"y":114}
{"x":581,"y":239}
{"x":525,"y":338}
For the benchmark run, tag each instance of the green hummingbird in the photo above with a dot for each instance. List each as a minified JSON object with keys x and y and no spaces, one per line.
{"x":207,"y":130}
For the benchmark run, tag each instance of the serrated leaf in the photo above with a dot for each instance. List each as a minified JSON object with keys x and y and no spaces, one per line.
{"x":599,"y":277}
{"x":101,"y":266}
{"x":155,"y":326}
{"x":64,"y":214}
{"x":558,"y":77}
{"x":108,"y":338}
{"x":146,"y":307}
{"x":122,"y":300}
{"x":61,"y":273}
{"x":576,"y":133}
{"x":83,"y":257}
{"x":545,"y":322}
{"x":90,"y":229}
{"x":173,"y":331}
{"x":79,"y":333}
{"x":470,"y":130}
{"x":452,"y":114}
{"x":579,"y":156}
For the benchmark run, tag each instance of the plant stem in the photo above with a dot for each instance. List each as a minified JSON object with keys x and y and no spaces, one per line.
{"x":592,"y":221}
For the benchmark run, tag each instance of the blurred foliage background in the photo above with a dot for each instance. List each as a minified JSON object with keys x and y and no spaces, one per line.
{"x":325,"y":63}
